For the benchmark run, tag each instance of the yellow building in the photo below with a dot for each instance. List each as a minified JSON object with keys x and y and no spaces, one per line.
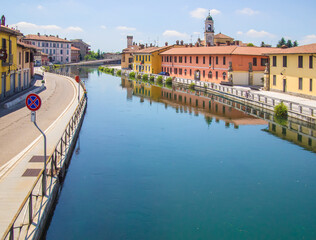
{"x":127,"y":56}
{"x":8,"y":67}
{"x":148,"y":60}
{"x":293,"y":70}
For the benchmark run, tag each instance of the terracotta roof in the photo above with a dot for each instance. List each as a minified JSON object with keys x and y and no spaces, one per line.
{"x":307,"y":49}
{"x":22,"y":44}
{"x":74,"y":48}
{"x":152,"y":49}
{"x":10,"y":30}
{"x":220,"y":35}
{"x":45,"y":38}
{"x":220,"y":50}
{"x":131,"y":49}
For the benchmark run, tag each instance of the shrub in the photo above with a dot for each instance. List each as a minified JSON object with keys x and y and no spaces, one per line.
{"x":152,"y":78}
{"x":112,"y":71}
{"x":192,"y":86}
{"x":119,"y":72}
{"x":159,"y":79}
{"x":145,"y":77}
{"x":280,"y":110}
{"x":131,"y":75}
{"x":139,"y":76}
{"x":169,"y":81}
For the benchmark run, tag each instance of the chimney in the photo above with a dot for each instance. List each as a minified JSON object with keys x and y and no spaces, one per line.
{"x":217,"y":44}
{"x":208,"y":44}
{"x":237,"y":43}
{"x":151,"y":45}
{"x":141,"y":46}
{"x":190,"y":44}
{"x":146,"y":45}
{"x":38,"y":34}
{"x":166,"y":43}
{"x":197,"y":44}
{"x":181,"y":42}
{"x":228,"y":43}
{"x":177,"y":42}
{"x":186,"y":45}
{"x":57,"y":36}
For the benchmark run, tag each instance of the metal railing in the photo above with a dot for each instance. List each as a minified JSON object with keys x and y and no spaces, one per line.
{"x":30,"y":209}
{"x":298,"y":110}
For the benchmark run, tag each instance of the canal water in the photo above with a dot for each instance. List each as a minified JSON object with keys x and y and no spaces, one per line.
{"x":149,"y":167}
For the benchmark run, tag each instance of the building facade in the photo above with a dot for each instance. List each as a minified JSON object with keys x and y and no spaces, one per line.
{"x":84,"y":47}
{"x":58,"y":49}
{"x":75,"y":54}
{"x":293,"y":70}
{"x":8,"y":66}
{"x":238,"y":65}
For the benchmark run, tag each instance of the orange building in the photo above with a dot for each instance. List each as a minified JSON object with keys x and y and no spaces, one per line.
{"x":235,"y":64}
{"x":75,"y":54}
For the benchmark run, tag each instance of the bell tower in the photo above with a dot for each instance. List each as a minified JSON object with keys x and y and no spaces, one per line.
{"x":209,"y":31}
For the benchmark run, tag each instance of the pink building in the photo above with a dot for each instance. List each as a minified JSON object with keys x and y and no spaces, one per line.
{"x":57,"y":49}
{"x":235,"y":64}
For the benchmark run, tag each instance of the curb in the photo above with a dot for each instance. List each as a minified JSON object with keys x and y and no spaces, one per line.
{"x":22,"y":98}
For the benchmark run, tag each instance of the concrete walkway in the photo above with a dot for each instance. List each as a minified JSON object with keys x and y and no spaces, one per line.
{"x":20,"y":141}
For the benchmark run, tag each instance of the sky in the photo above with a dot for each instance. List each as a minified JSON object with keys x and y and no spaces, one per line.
{"x":105,"y":24}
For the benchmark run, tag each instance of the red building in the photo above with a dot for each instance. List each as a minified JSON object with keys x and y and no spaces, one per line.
{"x":236,"y":64}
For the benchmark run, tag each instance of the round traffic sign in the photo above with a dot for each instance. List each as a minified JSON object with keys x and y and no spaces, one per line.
{"x":33,"y":102}
{"x":77,"y":79}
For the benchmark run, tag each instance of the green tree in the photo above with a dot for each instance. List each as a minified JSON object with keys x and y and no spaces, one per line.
{"x":289,"y":43}
{"x":262,"y":44}
{"x":295,"y":44}
{"x":250,"y":45}
{"x":281,"y":42}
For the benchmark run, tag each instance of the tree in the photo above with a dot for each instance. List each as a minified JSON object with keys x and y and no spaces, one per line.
{"x":295,"y":44}
{"x":289,"y":43}
{"x":262,"y":44}
{"x":281,"y":42}
{"x":250,"y":45}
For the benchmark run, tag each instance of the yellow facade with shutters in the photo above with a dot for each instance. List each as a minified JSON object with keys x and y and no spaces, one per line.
{"x":8,"y":67}
{"x":293,"y":73}
{"x":143,"y":63}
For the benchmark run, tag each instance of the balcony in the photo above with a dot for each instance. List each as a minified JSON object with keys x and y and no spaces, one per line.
{"x":8,"y":62}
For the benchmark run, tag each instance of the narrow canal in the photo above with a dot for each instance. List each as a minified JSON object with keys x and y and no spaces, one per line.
{"x":153,"y":168}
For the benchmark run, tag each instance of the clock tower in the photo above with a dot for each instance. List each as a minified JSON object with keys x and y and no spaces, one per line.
{"x":209,"y":31}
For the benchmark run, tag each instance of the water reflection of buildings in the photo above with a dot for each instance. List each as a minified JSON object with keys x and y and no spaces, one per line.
{"x":220,"y":108}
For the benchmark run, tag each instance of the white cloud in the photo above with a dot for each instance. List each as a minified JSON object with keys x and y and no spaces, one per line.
{"x":173,"y":33}
{"x":201,"y":13}
{"x":256,"y":34}
{"x":308,"y":39}
{"x":40,"y":7}
{"x":74,"y":29}
{"x":124,"y":28}
{"x":247,"y":11}
{"x":103,"y":27}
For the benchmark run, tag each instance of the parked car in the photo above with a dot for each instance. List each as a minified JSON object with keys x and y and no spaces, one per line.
{"x":164,"y":73}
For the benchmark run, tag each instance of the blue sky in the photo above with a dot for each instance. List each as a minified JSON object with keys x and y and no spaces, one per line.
{"x":105,"y":24}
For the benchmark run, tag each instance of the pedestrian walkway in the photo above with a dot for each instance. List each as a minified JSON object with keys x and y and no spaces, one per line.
{"x":21,"y":141}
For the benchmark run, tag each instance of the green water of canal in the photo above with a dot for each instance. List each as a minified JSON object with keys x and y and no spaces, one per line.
{"x":153,"y":168}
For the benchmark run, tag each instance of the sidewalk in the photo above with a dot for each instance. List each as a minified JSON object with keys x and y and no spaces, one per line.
{"x":20,"y":141}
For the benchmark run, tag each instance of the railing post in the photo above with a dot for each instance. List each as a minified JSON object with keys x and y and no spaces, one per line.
{"x":12,"y":233}
{"x":30,"y":209}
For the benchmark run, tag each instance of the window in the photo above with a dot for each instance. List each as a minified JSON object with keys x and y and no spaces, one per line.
{"x":274,"y":61}
{"x":61,"y":45}
{"x":310,"y":61}
{"x":185,"y":72}
{"x":210,"y":61}
{"x":274,"y":80}
{"x":216,"y":61}
{"x":254,"y":62}
{"x":58,"y":45}
{"x":224,"y":60}
{"x":146,"y":58}
{"x":54,"y":44}
{"x":185,"y":59}
{"x":176,"y":71}
{"x":39,"y":44}
{"x":50,"y":51}
{"x":284,"y":61}
{"x":180,"y":71}
{"x":43,"y":44}
{"x":300,"y":61}
{"x":61,"y":51}
{"x":197,"y":60}
{"x":175,"y":59}
{"x":67,"y":52}
{"x":46,"y":51}
{"x":210,"y":75}
{"x":180,"y":59}
{"x":136,"y":58}
{"x":27,"y":57}
{"x":300,"y":83}
{"x":190,"y":72}
{"x":54,"y":51}
{"x":264,"y":61}
{"x":224,"y":75}
{"x":284,"y":131}
{"x":203,"y":60}
{"x":50,"y":44}
{"x":190,"y":61}
{"x":311,"y":85}
{"x":204,"y":73}
{"x":216,"y":75}
{"x":20,"y":58}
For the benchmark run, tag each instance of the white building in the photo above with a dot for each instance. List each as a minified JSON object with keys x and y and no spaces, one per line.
{"x":58,"y":49}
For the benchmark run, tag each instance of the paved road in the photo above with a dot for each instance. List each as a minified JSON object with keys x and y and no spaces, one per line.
{"x":16,"y":129}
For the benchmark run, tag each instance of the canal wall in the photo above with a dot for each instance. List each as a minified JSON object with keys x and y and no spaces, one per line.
{"x":32,"y":217}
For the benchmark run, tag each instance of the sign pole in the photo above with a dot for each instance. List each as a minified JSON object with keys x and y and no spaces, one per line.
{"x":33,"y":103}
{"x":77,"y":78}
{"x":33,"y":119}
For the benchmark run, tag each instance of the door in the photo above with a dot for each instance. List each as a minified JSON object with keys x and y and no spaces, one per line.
{"x":284,"y":85}
{"x":3,"y":87}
